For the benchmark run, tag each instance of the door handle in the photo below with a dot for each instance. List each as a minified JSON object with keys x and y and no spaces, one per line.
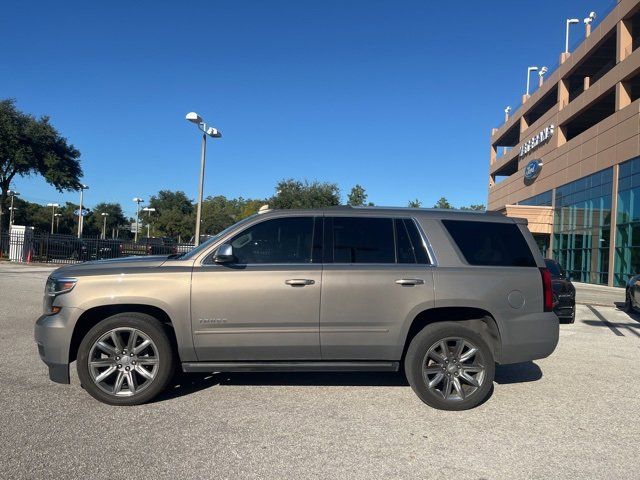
{"x":410,"y":281}
{"x":299,"y":282}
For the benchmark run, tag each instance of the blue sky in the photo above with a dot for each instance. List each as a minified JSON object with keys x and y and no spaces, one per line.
{"x":398,"y":96}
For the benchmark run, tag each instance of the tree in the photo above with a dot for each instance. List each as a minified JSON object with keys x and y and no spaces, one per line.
{"x":94,"y":221}
{"x":174,"y":215}
{"x":357,"y":197}
{"x":443,"y":203}
{"x":476,"y":208}
{"x":298,"y":194}
{"x":30,"y":146}
{"x":414,"y":203}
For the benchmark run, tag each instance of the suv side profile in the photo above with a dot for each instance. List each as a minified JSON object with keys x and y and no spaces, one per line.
{"x":442,"y":295}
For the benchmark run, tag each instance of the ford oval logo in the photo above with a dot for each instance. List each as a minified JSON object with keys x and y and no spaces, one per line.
{"x":532,"y":170}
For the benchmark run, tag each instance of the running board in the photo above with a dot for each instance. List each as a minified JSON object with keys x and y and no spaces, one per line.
{"x":317,"y":366}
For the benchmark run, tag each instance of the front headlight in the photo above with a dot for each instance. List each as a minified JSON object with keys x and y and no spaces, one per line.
{"x":53,"y":288}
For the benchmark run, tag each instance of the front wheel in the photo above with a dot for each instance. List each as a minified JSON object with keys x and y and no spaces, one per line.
{"x":450,"y":366}
{"x":126,"y":359}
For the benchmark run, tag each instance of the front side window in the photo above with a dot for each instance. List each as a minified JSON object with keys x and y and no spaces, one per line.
{"x":363,"y":240}
{"x":281,"y":240}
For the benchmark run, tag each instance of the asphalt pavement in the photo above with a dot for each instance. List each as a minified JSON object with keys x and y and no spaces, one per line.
{"x":572,"y":415}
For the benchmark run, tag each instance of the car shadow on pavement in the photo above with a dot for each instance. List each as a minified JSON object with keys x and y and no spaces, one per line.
{"x":632,"y":315}
{"x":517,"y":373}
{"x":188,"y":383}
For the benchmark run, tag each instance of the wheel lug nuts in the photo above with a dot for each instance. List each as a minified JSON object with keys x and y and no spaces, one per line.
{"x":133,"y":363}
{"x":127,"y":369}
{"x":117,"y":358}
{"x":119,"y":366}
{"x":131,"y":354}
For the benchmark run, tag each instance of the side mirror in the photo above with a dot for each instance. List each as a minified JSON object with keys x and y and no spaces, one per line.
{"x":224,"y":254}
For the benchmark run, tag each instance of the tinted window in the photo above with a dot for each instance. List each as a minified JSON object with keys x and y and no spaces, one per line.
{"x":554,"y":268}
{"x":409,"y":245}
{"x":489,"y":243}
{"x":363,"y":240}
{"x":282,"y":240}
{"x":416,"y":241}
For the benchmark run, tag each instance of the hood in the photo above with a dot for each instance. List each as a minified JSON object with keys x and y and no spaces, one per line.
{"x":112,"y":266}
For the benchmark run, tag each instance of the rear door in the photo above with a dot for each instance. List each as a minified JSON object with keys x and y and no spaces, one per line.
{"x":376,"y":276}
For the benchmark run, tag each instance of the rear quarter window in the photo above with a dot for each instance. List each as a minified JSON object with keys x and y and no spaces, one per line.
{"x":490,"y":244}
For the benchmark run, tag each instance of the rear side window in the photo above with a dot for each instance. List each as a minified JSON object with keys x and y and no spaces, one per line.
{"x":491,"y":244}
{"x":363,"y":240}
{"x":409,"y":243}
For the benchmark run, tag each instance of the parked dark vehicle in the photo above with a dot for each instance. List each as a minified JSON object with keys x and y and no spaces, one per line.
{"x":564,"y":293}
{"x":632,"y":294}
{"x":159,"y":245}
{"x":60,"y":247}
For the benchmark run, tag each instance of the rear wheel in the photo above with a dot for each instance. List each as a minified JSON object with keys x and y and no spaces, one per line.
{"x":628,"y":307}
{"x":126,"y":359}
{"x":450,"y":366}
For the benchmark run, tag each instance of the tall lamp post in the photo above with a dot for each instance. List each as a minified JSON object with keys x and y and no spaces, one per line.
{"x":53,"y":213}
{"x":570,"y":21}
{"x":138,"y":202}
{"x":104,"y":224}
{"x":193,"y":117}
{"x":12,"y":194}
{"x":148,"y":210}
{"x":80,"y":212}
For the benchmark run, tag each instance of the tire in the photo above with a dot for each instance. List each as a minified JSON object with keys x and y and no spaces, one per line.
{"x":628,"y":307}
{"x":149,"y":365}
{"x":428,"y":344}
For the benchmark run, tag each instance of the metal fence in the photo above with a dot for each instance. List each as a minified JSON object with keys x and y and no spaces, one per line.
{"x":47,"y":248}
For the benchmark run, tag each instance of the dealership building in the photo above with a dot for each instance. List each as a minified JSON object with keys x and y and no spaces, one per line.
{"x":568,"y":158}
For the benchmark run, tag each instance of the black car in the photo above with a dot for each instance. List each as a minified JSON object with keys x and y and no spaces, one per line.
{"x":564,"y":293}
{"x":632,"y":294}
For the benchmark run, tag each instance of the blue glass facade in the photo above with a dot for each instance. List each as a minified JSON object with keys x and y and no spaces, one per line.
{"x":540,"y":200}
{"x":627,"y":255}
{"x":582,"y":227}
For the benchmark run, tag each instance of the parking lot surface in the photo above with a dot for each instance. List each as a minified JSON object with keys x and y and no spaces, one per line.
{"x":572,"y":415}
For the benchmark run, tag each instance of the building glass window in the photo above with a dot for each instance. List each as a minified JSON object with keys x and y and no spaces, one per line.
{"x":540,"y":200}
{"x":582,"y":227}
{"x":627,"y":255}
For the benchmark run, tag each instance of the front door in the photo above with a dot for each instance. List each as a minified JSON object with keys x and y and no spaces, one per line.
{"x":265,"y":305}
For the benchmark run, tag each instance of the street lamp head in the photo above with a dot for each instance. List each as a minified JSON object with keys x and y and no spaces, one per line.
{"x":148,"y":209}
{"x":532,"y":69}
{"x":572,"y":20}
{"x":193,"y":117}
{"x":213,"y":132}
{"x":13,"y":193}
{"x":138,"y":200}
{"x":83,"y":186}
{"x":104,"y":214}
{"x":508,"y":109}
{"x":543,"y":71}
{"x":53,"y":205}
{"x":57,"y":214}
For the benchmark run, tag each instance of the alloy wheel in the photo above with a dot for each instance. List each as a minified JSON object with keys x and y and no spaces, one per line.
{"x":454,"y":368}
{"x":123,"y":362}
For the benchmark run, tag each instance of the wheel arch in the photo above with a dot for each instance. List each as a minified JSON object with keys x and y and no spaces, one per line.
{"x":480,"y":320}
{"x":95,"y":315}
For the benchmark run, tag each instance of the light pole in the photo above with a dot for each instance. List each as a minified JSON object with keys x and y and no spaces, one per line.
{"x":148,"y":210}
{"x":104,"y":224}
{"x":570,"y":21}
{"x":80,"y":212}
{"x":587,"y":23}
{"x":53,"y":213}
{"x":57,"y":215}
{"x":543,"y":71}
{"x":138,"y":202}
{"x":193,"y":117}
{"x":529,"y":70}
{"x":12,"y":193}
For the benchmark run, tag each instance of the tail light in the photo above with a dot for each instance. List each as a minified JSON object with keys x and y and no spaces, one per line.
{"x":547,"y":289}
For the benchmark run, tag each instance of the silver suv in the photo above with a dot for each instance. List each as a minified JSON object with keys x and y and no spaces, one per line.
{"x":442,"y":295}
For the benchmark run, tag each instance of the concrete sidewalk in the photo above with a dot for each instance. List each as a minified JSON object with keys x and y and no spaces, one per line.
{"x":588,"y":294}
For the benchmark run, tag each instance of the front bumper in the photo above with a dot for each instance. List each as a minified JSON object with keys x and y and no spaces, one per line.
{"x":53,"y":335}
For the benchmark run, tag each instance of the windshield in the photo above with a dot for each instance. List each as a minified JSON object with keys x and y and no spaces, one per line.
{"x":203,"y":246}
{"x":554,"y":268}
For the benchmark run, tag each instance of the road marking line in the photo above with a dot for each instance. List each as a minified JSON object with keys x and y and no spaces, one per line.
{"x":605,"y":321}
